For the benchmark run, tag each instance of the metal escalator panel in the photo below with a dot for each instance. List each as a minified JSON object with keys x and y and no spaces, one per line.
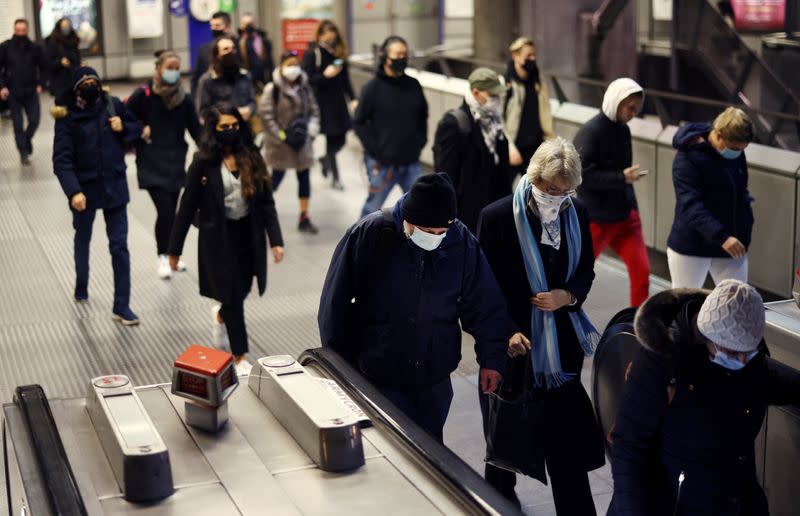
{"x":741,"y":76}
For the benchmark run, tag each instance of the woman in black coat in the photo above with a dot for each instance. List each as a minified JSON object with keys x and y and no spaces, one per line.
{"x":228,"y":190}
{"x":166,"y":112}
{"x":559,"y":228}
{"x":694,"y":402}
{"x":63,"y":57}
{"x":325,"y":63}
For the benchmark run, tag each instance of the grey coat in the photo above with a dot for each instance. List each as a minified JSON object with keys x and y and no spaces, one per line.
{"x":292,"y":102}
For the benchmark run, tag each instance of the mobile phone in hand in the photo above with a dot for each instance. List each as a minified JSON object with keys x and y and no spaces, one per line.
{"x":643,"y":172}
{"x":338,"y":62}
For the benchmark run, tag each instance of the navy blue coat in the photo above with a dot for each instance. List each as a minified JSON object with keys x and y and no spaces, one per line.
{"x":682,"y":413}
{"x":394,"y":309}
{"x":89,"y":157}
{"x":711,"y":198}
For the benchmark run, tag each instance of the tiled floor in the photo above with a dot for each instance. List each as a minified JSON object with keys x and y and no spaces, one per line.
{"x":45,"y":338}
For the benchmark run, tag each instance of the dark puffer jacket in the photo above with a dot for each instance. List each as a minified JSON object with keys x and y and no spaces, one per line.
{"x":712,"y":201}
{"x":681,"y":414}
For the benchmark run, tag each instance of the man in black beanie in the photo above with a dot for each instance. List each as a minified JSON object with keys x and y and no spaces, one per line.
{"x":399,"y":283}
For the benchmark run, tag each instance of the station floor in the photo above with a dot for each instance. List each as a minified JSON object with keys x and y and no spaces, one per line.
{"x":46,"y":338}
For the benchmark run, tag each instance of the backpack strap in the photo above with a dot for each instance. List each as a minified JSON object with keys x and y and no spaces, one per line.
{"x":110,"y":107}
{"x":463,"y":119}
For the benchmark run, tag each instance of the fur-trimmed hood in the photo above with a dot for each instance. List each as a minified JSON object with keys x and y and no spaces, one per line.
{"x":663,"y":321}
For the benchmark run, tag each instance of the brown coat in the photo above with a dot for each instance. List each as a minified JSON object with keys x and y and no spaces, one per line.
{"x":292,"y":102}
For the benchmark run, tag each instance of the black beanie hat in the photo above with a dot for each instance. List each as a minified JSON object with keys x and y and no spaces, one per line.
{"x":431,"y":203}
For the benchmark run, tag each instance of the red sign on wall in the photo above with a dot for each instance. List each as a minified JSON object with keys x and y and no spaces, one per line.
{"x":759,"y":14}
{"x":297,"y":34}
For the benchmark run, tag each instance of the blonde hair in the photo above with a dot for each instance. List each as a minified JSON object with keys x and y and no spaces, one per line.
{"x":733,"y":125}
{"x":520,"y":42}
{"x":556,"y":158}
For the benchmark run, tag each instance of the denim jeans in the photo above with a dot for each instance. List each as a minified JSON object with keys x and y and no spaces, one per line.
{"x":382,"y":179}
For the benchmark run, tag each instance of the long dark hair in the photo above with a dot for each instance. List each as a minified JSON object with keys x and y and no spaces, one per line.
{"x":340,"y":49}
{"x":252,"y":169}
{"x":57,"y":36}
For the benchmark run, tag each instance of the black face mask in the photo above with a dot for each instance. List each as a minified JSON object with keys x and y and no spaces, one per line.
{"x":19,"y":39}
{"x":230,"y":61}
{"x":217,"y":33}
{"x":249,"y":29}
{"x":532,"y":68}
{"x":89,"y":94}
{"x":399,"y":65}
{"x":228,"y":138}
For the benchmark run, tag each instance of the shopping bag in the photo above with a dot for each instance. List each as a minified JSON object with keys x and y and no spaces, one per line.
{"x":515,"y":426}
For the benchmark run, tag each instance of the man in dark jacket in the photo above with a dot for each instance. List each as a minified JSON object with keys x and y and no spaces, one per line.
{"x":225,"y":81}
{"x":89,"y":161}
{"x":392,"y":123}
{"x":399,"y":283}
{"x":471,"y":147}
{"x":23,"y":70}
{"x":604,"y":143}
{"x":220,"y":25}
{"x":255,"y":50}
{"x":693,"y":404}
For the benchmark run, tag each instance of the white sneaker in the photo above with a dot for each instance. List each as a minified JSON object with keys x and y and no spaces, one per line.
{"x":220,"y":332}
{"x":244,"y":367}
{"x":164,"y":271}
{"x":181,"y":266}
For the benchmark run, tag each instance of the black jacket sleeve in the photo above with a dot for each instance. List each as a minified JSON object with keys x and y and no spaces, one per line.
{"x":64,"y":157}
{"x":581,"y":282}
{"x":3,"y":64}
{"x":309,"y":65}
{"x":271,"y":222}
{"x":348,"y":86}
{"x":448,"y":149}
{"x":591,"y":148}
{"x":190,"y":202}
{"x":422,"y":122}
{"x":363,"y":119}
{"x":200,"y":67}
{"x":639,"y":418}
{"x":131,"y":126}
{"x":192,"y":121}
{"x":42,"y":65}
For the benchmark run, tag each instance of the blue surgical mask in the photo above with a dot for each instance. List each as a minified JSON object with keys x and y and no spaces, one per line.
{"x":731,"y":363}
{"x":426,"y":241}
{"x":730,"y":153}
{"x":171,"y":76}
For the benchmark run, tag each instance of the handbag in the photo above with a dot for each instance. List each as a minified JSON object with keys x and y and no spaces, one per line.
{"x":515,"y":426}
{"x":297,"y":130}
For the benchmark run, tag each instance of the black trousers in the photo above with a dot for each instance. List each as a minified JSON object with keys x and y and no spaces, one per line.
{"x":333,"y":144}
{"x":303,"y":182}
{"x":23,"y":136}
{"x":166,"y":204}
{"x":239,"y":240}
{"x":572,"y":494}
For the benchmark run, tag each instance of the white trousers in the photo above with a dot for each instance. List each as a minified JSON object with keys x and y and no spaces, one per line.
{"x":691,"y":271}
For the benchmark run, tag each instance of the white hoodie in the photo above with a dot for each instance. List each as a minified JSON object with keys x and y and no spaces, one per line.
{"x":618,"y":91}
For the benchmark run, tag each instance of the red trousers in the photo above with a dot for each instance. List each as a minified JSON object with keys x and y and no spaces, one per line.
{"x":625,"y":238}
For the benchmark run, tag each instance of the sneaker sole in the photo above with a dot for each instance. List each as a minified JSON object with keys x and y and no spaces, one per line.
{"x":124,"y":322}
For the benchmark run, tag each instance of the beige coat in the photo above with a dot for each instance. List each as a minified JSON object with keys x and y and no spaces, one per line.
{"x":514,"y":111}
{"x":292,"y":102}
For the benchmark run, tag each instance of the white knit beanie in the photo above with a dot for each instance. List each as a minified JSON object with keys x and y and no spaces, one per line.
{"x":732,"y":316}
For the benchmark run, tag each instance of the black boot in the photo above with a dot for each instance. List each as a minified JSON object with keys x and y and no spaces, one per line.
{"x":325,"y":167}
{"x":337,"y":184}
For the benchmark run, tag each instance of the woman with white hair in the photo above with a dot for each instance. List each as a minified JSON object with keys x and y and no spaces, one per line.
{"x":539,"y":246}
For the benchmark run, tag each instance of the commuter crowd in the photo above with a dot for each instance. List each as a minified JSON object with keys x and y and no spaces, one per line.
{"x":500,"y":242}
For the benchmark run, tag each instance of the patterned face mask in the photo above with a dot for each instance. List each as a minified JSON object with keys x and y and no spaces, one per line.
{"x":549,"y":211}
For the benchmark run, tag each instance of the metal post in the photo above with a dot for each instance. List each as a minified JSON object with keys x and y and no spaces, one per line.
{"x":674,"y":65}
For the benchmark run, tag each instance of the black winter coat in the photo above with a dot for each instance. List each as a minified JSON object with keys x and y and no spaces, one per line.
{"x":332,"y":94}
{"x":260,"y":68}
{"x":23,"y":66}
{"x":89,"y":157}
{"x":403,"y":329}
{"x":60,"y":76}
{"x":237,"y":91}
{"x":201,"y":65}
{"x":605,"y":149}
{"x":478,"y":180}
{"x":681,"y":413}
{"x":161,"y":163}
{"x":204,"y":195}
{"x":392,"y":119}
{"x":712,"y":202}
{"x":573,"y":435}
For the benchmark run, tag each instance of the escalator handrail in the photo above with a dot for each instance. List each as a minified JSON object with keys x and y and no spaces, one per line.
{"x":458,"y":474}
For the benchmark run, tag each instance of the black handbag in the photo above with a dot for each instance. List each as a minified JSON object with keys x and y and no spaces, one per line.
{"x":297,"y":130}
{"x":515,"y":422}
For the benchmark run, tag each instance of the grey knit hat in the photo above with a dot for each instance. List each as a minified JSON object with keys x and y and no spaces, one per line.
{"x":732,"y":316}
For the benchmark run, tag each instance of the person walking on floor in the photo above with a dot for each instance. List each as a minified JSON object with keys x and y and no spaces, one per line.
{"x":219,"y":25}
{"x":225,"y":81}
{"x":471,"y":147}
{"x":713,"y":222}
{"x":166,"y":111}
{"x":228,"y":190}
{"x":325,"y":63}
{"x":255,"y":50}
{"x":89,"y":161}
{"x":604,"y":143}
{"x":23,"y":71}
{"x":539,"y":246}
{"x":290,"y":117}
{"x":61,"y":47}
{"x":526,"y":105}
{"x":392,"y":123}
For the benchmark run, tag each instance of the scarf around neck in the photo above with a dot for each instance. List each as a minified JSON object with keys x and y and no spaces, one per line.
{"x":489,"y":121}
{"x":545,"y":354}
{"x":171,"y":94}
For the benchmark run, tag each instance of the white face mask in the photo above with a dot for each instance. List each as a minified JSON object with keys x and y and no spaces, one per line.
{"x":492,"y":105}
{"x":549,"y":205}
{"x":292,"y":72}
{"x":423,"y":240}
